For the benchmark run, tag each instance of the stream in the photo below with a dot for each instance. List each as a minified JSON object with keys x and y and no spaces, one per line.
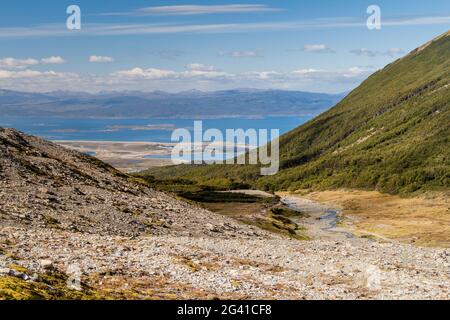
{"x":319,"y":220}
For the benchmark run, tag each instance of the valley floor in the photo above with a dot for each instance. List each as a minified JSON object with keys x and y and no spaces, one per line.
{"x":241,"y":265}
{"x":421,"y":220}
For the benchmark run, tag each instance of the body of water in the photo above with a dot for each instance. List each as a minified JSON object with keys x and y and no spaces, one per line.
{"x":146,"y":130}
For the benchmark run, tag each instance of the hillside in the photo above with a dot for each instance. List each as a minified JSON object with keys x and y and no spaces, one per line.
{"x":72,"y":227}
{"x":45,"y":186}
{"x":163,"y":105}
{"x":390,"y":134}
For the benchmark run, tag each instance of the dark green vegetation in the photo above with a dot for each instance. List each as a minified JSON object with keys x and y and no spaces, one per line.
{"x":263,"y":212}
{"x":390,"y":134}
{"x":219,"y":197}
{"x":178,"y":185}
{"x":281,"y":220}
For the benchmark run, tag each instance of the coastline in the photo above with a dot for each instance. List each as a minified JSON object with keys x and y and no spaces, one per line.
{"x":127,"y":156}
{"x":111,"y":142}
{"x":131,"y":156}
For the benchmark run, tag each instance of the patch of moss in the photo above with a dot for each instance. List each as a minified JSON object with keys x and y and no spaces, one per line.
{"x":286,"y":225}
{"x":52,"y":222}
{"x":18,"y":268}
{"x":286,"y":212}
{"x":51,"y":287}
{"x":236,"y":283}
{"x":139,"y":181}
{"x":368,"y":236}
{"x":189,"y":263}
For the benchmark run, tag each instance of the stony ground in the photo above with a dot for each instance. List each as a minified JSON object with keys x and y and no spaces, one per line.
{"x":208,"y":267}
{"x":65,"y":213}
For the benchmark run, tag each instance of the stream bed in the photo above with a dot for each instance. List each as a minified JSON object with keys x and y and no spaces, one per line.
{"x":319,"y":220}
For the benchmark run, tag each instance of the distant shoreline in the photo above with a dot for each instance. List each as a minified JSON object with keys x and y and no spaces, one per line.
{"x":127,"y":156}
{"x":153,"y":143}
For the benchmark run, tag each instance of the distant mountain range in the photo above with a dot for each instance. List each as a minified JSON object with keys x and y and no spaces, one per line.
{"x":158,"y":104}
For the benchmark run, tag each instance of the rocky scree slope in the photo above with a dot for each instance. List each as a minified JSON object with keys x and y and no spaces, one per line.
{"x":43,"y":185}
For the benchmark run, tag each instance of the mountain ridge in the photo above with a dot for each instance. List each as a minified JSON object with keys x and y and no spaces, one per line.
{"x":390,"y":134}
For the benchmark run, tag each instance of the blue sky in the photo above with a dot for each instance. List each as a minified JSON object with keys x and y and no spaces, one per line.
{"x":321,"y":45}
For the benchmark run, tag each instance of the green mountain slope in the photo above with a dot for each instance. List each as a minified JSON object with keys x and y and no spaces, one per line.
{"x":391,"y":134}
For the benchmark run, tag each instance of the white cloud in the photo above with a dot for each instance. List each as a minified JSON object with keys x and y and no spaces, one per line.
{"x":100,"y":59}
{"x":304,"y":72}
{"x":342,"y":75}
{"x":317,"y":48}
{"x":194,"y":76}
{"x":355,"y":72}
{"x":364,"y":52}
{"x":193,"y":71}
{"x":168,"y":54}
{"x":200,"y":67}
{"x":6,"y":74}
{"x":394,"y":51}
{"x":262,"y":75}
{"x":198,"y":75}
{"x":13,"y":63}
{"x":55,"y":30}
{"x":242,"y":54}
{"x":139,"y":73}
{"x":184,"y":10}
{"x":53,"y":60}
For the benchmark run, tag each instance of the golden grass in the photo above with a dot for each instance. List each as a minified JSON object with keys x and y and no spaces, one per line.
{"x":422,"y":220}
